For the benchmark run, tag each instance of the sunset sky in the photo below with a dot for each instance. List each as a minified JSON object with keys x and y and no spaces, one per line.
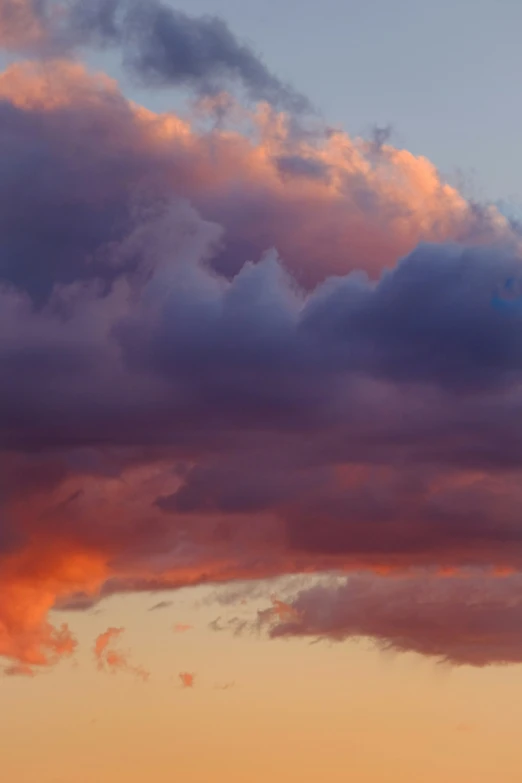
{"x":260,"y":391}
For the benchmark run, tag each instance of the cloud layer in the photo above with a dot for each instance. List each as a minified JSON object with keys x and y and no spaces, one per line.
{"x":183,"y":404}
{"x":459,"y":620}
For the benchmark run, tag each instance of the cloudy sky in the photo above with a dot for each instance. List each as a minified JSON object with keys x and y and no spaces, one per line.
{"x":261,"y":350}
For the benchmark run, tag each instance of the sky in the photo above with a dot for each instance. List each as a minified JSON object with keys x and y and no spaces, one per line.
{"x":260,"y":441}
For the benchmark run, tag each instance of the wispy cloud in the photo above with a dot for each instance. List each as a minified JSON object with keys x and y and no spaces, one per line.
{"x":161,"y":605}
{"x":111,"y":660}
{"x":19,"y":670}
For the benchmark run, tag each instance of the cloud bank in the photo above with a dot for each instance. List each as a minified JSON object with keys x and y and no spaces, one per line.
{"x":458,"y":620}
{"x":236,"y":355}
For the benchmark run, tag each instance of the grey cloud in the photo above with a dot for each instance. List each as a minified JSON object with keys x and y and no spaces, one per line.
{"x":299,"y":166}
{"x":161,"y":45}
{"x":470,"y":620}
{"x":161,"y":605}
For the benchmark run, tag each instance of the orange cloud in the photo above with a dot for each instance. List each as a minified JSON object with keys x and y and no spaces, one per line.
{"x":181,"y":628}
{"x":31,"y":581}
{"x":282,"y":610}
{"x":187,"y":679}
{"x":114,"y":660}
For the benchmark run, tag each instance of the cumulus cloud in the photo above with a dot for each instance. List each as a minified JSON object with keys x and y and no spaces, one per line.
{"x":161,"y":45}
{"x":210,"y":410}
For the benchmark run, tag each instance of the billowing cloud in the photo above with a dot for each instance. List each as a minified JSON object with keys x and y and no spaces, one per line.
{"x":110,"y":660}
{"x":211,"y":410}
{"x":115,"y":166}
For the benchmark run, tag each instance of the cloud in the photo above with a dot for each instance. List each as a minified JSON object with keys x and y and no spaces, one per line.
{"x":89,"y":220}
{"x":22,"y":23}
{"x":473,"y":620}
{"x":298,"y":166}
{"x":187,"y":679}
{"x":209,"y":412}
{"x":161,"y":605}
{"x":181,"y":628}
{"x":166,"y":46}
{"x":103,"y":641}
{"x":281,"y":610}
{"x":237,"y":625}
{"x":111,"y":660}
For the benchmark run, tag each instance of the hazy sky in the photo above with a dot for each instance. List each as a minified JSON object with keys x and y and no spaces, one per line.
{"x":296,"y":712}
{"x":260,"y":508}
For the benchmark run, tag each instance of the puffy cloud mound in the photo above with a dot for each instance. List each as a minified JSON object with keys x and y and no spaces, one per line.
{"x":180,"y":404}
